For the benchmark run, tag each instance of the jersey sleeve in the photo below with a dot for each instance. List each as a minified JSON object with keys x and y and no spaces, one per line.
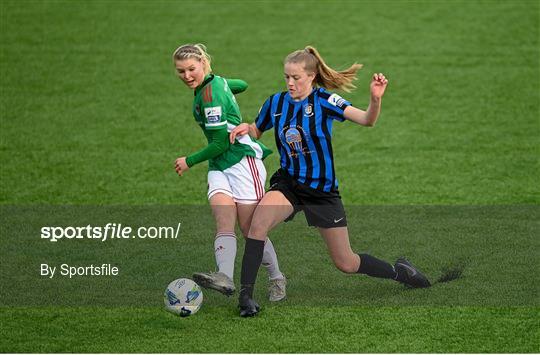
{"x":218,"y":144}
{"x":335,"y":104}
{"x":236,"y":85}
{"x":264,"y":120}
{"x":214,"y":106}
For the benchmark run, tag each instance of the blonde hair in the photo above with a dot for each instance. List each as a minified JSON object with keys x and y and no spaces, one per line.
{"x":324,"y":75}
{"x":196,"y":51}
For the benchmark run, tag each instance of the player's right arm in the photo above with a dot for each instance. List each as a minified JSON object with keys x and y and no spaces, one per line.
{"x":218,"y":144}
{"x":214,"y":111}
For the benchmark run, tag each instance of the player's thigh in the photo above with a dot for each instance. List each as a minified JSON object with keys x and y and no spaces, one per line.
{"x":221,"y":201}
{"x":245,"y":216}
{"x":224,"y":211}
{"x":339,"y":248}
{"x":273,"y":209}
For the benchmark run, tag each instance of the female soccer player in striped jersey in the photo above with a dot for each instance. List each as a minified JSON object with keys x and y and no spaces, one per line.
{"x":236,"y":175}
{"x":302,"y":119}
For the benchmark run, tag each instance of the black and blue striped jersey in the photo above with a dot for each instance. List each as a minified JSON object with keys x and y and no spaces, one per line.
{"x":303,"y":133}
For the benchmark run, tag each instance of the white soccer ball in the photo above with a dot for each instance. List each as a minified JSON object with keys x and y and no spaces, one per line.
{"x":183,"y":297}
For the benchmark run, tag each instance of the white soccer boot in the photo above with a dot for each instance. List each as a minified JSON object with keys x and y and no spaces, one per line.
{"x":215,"y":280}
{"x":277,"y":289}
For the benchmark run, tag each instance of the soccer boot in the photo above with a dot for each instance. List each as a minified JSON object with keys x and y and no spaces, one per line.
{"x":215,"y":280}
{"x":409,"y":275}
{"x":248,"y":307}
{"x":277,"y":289}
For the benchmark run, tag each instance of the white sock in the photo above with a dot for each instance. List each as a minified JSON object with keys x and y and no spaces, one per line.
{"x":225,"y":251}
{"x":270,"y":262}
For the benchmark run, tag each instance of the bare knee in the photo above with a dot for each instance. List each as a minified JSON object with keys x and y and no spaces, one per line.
{"x":274,"y":208}
{"x":244,"y":229}
{"x":260,"y":224}
{"x":224,"y":225}
{"x":257,"y":229}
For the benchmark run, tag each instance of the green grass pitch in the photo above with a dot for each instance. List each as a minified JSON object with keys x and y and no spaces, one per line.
{"x":92,"y":118}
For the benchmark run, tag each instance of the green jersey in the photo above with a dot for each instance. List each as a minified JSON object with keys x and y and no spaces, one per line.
{"x":216,"y":111}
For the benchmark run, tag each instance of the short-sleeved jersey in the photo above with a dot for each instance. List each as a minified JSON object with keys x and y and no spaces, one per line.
{"x":215,"y":108}
{"x":303,"y":133}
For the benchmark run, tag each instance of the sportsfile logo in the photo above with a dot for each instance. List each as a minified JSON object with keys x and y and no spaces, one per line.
{"x":109,"y":231}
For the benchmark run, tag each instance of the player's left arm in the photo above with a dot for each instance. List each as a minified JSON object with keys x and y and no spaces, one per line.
{"x":236,"y":85}
{"x":369,"y":117}
{"x":243,"y":129}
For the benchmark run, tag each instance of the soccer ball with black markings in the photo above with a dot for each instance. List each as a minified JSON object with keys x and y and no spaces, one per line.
{"x":183,"y":297}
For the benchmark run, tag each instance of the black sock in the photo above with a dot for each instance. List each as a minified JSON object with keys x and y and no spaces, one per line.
{"x":253,"y":254}
{"x":372,"y":266}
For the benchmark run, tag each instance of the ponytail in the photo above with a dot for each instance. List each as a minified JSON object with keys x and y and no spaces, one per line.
{"x":325,"y":76}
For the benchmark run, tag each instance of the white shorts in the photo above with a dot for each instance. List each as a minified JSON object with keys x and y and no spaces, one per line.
{"x":244,"y":181}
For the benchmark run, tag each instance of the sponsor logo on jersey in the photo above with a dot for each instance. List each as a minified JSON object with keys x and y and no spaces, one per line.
{"x":294,"y":138}
{"x":213,"y":114}
{"x":336,"y":100}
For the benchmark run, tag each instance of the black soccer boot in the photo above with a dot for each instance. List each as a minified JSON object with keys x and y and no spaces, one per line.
{"x":409,"y":275}
{"x":248,"y":307}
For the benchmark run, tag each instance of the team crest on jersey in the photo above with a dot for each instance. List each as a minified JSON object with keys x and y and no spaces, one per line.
{"x":308,"y":110}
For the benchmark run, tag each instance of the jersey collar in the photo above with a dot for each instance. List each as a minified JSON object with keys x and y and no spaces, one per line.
{"x":206,"y":80}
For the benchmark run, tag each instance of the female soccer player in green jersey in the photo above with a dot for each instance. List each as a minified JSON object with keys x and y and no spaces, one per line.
{"x":236,"y":175}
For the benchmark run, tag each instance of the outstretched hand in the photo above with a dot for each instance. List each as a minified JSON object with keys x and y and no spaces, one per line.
{"x":378,"y":85}
{"x":240,"y":130}
{"x":181,"y":166}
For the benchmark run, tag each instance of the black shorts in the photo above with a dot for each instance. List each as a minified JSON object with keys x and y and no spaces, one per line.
{"x":322,"y":209}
